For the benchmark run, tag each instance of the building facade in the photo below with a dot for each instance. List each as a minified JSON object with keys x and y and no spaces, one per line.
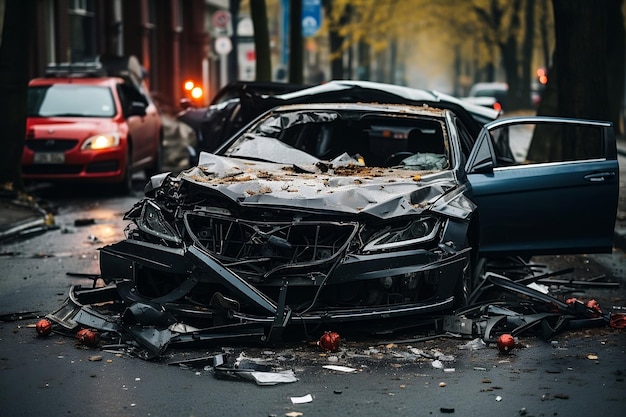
{"x":171,"y":38}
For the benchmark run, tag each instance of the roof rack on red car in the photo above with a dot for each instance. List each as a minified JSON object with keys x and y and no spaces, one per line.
{"x":76,"y":69}
{"x":127,"y":67}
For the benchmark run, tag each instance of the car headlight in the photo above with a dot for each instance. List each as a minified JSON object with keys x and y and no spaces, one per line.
{"x":153,"y":222}
{"x":407,"y":233}
{"x":101,"y":141}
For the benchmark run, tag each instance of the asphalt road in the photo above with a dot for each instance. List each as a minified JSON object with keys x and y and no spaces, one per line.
{"x":578,"y":372}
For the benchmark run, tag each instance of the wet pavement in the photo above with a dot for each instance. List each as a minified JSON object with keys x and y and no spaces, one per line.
{"x":576,"y":372}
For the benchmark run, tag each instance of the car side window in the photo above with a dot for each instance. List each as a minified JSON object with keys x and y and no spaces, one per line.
{"x":129,"y":94}
{"x":536,"y":143}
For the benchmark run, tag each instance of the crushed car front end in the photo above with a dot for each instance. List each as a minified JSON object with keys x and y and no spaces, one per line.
{"x":247,"y":259}
{"x":269,"y":230}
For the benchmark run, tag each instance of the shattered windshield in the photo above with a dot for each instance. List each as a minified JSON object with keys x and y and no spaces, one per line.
{"x":371,"y":139}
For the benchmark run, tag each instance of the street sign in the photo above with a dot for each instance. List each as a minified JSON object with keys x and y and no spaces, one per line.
{"x":311,"y":17}
{"x":222,"y":24}
{"x":223,"y":45}
{"x":221,"y":19}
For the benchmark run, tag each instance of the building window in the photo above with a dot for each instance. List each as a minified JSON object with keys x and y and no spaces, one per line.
{"x":83,"y":30}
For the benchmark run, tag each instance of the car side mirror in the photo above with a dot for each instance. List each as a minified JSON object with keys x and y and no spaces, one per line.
{"x":137,"y":108}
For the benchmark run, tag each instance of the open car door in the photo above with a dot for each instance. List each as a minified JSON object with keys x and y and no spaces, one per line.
{"x":545,"y":185}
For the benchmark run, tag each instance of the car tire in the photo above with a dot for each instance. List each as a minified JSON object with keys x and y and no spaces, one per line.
{"x":157,"y":166}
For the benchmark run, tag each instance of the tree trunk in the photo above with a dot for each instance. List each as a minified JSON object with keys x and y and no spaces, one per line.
{"x":527,"y":54}
{"x":336,"y":41}
{"x":581,"y":53}
{"x":233,"y":56}
{"x":296,"y":52}
{"x":336,"y":63}
{"x":14,"y":64}
{"x":364,"y":70}
{"x":579,"y":77}
{"x":545,"y":45}
{"x":509,"y":51}
{"x":258,"y":10}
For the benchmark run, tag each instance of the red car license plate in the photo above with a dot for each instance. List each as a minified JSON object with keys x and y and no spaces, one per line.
{"x":49,"y":158}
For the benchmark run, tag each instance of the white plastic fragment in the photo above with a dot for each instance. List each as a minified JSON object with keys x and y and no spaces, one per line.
{"x":301,"y":400}
{"x":539,"y":287}
{"x":339,"y":368}
{"x":271,"y":378}
{"x":437,"y":364}
{"x":474,"y":344}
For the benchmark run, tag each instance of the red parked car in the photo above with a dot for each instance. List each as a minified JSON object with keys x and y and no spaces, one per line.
{"x":91,"y":123}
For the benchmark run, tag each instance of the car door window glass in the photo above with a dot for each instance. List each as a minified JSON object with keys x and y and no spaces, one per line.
{"x":525,"y":144}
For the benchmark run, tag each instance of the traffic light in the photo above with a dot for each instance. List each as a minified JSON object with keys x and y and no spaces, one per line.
{"x":542,"y":76}
{"x":193,"y":91}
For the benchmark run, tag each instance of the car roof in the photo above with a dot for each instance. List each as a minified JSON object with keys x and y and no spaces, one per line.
{"x":239,"y":87}
{"x":473,"y":115}
{"x":364,"y":107}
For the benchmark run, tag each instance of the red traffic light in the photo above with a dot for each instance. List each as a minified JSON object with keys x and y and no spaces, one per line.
{"x":542,"y":76}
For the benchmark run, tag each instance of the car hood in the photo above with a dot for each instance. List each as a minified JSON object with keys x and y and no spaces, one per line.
{"x":68,"y":127}
{"x":338,"y":187}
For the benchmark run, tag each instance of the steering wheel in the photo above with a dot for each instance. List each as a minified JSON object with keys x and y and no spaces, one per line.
{"x":394,"y":158}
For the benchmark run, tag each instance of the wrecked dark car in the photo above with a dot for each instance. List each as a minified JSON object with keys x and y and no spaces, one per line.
{"x":346,"y":214}
{"x":238,"y":103}
{"x":231,"y":108}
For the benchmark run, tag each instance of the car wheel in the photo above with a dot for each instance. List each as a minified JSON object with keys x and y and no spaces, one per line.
{"x":157,"y":166}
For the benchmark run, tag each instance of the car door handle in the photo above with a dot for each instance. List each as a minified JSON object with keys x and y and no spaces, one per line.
{"x":599,"y":176}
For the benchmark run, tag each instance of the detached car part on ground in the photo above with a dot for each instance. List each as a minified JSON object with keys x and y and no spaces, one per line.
{"x":350,"y":215}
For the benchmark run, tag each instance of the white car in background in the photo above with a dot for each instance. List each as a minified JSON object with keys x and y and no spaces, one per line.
{"x":492,"y":95}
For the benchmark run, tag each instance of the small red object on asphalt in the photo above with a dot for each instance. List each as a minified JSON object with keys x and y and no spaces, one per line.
{"x":88,"y":337}
{"x":43,"y":327}
{"x":506,"y":343}
{"x":593,"y":305}
{"x":330,"y":341}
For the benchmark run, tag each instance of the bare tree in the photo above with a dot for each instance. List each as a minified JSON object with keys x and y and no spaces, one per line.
{"x":296,"y":53}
